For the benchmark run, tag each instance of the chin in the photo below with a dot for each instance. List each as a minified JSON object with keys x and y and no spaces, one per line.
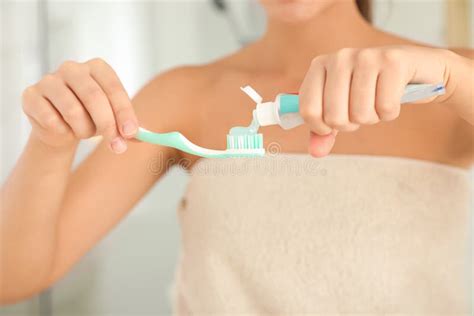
{"x":294,"y":11}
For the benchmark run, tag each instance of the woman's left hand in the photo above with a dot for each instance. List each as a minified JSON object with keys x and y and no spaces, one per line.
{"x":356,"y":87}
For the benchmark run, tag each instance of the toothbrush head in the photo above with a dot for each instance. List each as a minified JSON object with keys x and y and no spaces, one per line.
{"x":245,"y":145}
{"x":238,"y":142}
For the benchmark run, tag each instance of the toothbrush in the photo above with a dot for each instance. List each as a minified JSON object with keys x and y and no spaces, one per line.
{"x":250,"y":145}
{"x":245,"y":141}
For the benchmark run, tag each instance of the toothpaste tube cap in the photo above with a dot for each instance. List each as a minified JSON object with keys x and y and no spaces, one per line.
{"x":267,"y":114}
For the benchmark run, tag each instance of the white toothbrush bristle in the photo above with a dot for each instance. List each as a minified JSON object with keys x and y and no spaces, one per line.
{"x":254,"y":141}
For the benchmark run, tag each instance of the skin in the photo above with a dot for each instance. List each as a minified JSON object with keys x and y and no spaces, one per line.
{"x":349,"y":99}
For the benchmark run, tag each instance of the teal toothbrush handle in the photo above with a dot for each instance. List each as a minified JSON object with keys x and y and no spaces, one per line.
{"x":289,"y":103}
{"x":171,"y":139}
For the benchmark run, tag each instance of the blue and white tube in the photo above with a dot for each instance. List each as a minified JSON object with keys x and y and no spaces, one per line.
{"x":284,"y":111}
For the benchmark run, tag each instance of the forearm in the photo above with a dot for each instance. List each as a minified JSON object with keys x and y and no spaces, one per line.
{"x":460,"y":83}
{"x":31,"y":202}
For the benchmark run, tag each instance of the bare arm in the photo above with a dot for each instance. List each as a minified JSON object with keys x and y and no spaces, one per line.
{"x":51,"y":217}
{"x":355,"y":87}
{"x":462,"y":80}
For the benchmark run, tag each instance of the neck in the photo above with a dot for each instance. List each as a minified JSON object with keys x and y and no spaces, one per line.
{"x":289,"y":48}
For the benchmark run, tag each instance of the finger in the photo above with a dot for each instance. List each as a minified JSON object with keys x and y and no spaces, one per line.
{"x":40,"y":110}
{"x":311,"y":98}
{"x":320,"y":146}
{"x":96,"y":103}
{"x":390,"y":87}
{"x":106,"y":77}
{"x":66,"y":103}
{"x":362,"y":96}
{"x":336,"y":98}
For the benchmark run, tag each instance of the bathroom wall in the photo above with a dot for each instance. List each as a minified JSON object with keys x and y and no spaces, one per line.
{"x":130,"y":272}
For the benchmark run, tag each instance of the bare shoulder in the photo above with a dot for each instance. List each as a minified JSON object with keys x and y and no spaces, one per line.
{"x":385,"y":38}
{"x":172,"y":98}
{"x":168,"y":94}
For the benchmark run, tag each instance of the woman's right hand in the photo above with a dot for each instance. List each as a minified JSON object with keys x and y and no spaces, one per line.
{"x":78,"y":101}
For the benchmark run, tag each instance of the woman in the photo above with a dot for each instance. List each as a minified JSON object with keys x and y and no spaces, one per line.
{"x":371,"y":234}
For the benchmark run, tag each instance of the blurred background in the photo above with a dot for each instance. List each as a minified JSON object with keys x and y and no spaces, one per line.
{"x":131,"y":271}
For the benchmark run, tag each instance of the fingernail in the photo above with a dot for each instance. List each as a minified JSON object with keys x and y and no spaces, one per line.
{"x":129,"y":128}
{"x":118,"y":145}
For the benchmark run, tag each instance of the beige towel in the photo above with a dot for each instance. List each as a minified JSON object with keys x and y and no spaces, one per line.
{"x":343,"y":235}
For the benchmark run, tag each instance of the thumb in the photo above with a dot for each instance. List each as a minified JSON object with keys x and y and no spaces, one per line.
{"x":321,"y":145}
